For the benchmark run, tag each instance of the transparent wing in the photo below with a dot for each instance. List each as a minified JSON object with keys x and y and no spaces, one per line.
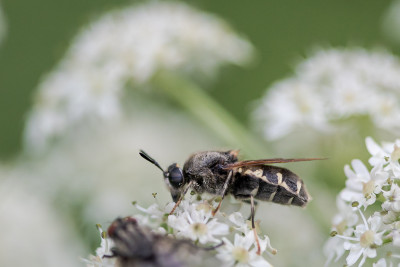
{"x":264,"y":162}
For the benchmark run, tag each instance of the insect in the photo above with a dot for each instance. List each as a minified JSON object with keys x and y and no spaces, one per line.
{"x":137,"y":246}
{"x":220,"y":173}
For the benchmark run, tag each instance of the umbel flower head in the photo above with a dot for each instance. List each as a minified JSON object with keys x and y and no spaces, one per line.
{"x":127,"y":47}
{"x":331,"y":86}
{"x":227,"y":238}
{"x":368,"y":223}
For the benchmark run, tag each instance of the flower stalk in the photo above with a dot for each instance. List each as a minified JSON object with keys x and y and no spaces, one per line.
{"x":205,"y":109}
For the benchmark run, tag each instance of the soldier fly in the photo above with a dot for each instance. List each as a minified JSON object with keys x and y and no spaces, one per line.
{"x":220,"y":173}
{"x":138,"y":246}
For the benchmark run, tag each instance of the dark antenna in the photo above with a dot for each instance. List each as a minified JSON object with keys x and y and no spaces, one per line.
{"x":148,"y":158}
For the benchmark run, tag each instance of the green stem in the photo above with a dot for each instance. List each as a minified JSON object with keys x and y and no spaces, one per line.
{"x":210,"y":113}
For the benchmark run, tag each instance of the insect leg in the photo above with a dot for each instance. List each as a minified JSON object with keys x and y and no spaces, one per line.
{"x":255,"y":207}
{"x":223,"y":192}
{"x":180,"y":199}
{"x":253,"y":225}
{"x":214,"y":247}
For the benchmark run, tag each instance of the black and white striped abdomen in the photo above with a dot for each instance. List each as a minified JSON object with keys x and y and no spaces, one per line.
{"x":270,"y":183}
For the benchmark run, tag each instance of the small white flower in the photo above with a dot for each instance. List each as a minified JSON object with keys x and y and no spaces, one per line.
{"x":379,"y":154}
{"x":239,"y":253}
{"x":366,"y":238}
{"x":265,"y":245}
{"x":343,"y":224}
{"x":382,"y":263}
{"x":239,"y":221}
{"x":105,"y":249}
{"x":390,"y":217}
{"x":198,"y":225}
{"x":396,"y":238}
{"x":333,"y":250}
{"x":344,"y":221}
{"x":361,"y":185}
{"x":392,"y":197}
{"x":155,"y":211}
{"x":388,"y":155}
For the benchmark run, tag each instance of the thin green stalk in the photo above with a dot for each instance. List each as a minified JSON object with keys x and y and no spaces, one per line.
{"x":199,"y":104}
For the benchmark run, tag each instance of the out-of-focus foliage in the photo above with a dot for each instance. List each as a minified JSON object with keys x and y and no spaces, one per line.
{"x":391,"y":22}
{"x":3,"y":25}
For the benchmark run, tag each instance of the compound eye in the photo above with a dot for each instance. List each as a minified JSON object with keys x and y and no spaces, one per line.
{"x":175,"y":176}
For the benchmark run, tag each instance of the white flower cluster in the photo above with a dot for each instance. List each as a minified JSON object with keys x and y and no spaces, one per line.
{"x":368,"y":222}
{"x":193,"y":220}
{"x":334,"y":85}
{"x":48,"y":239}
{"x":127,"y":47}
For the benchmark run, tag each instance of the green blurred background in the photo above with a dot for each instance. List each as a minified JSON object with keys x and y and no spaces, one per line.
{"x":283,"y":31}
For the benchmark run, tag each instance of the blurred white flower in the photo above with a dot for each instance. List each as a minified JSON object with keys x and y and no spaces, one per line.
{"x":32,"y":233}
{"x":290,"y":104}
{"x":125,"y":48}
{"x":396,"y":238}
{"x":333,"y":250}
{"x":334,"y":85}
{"x":382,"y":263}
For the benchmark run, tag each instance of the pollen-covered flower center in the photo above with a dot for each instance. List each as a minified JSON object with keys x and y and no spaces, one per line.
{"x":341,"y":227}
{"x":396,"y":153}
{"x":199,"y":229}
{"x":367,"y":239}
{"x":204,"y":206}
{"x":349,"y":97}
{"x":240,"y":255}
{"x":368,"y":188}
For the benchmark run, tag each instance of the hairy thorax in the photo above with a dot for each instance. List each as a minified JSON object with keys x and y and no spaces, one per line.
{"x":206,"y":172}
